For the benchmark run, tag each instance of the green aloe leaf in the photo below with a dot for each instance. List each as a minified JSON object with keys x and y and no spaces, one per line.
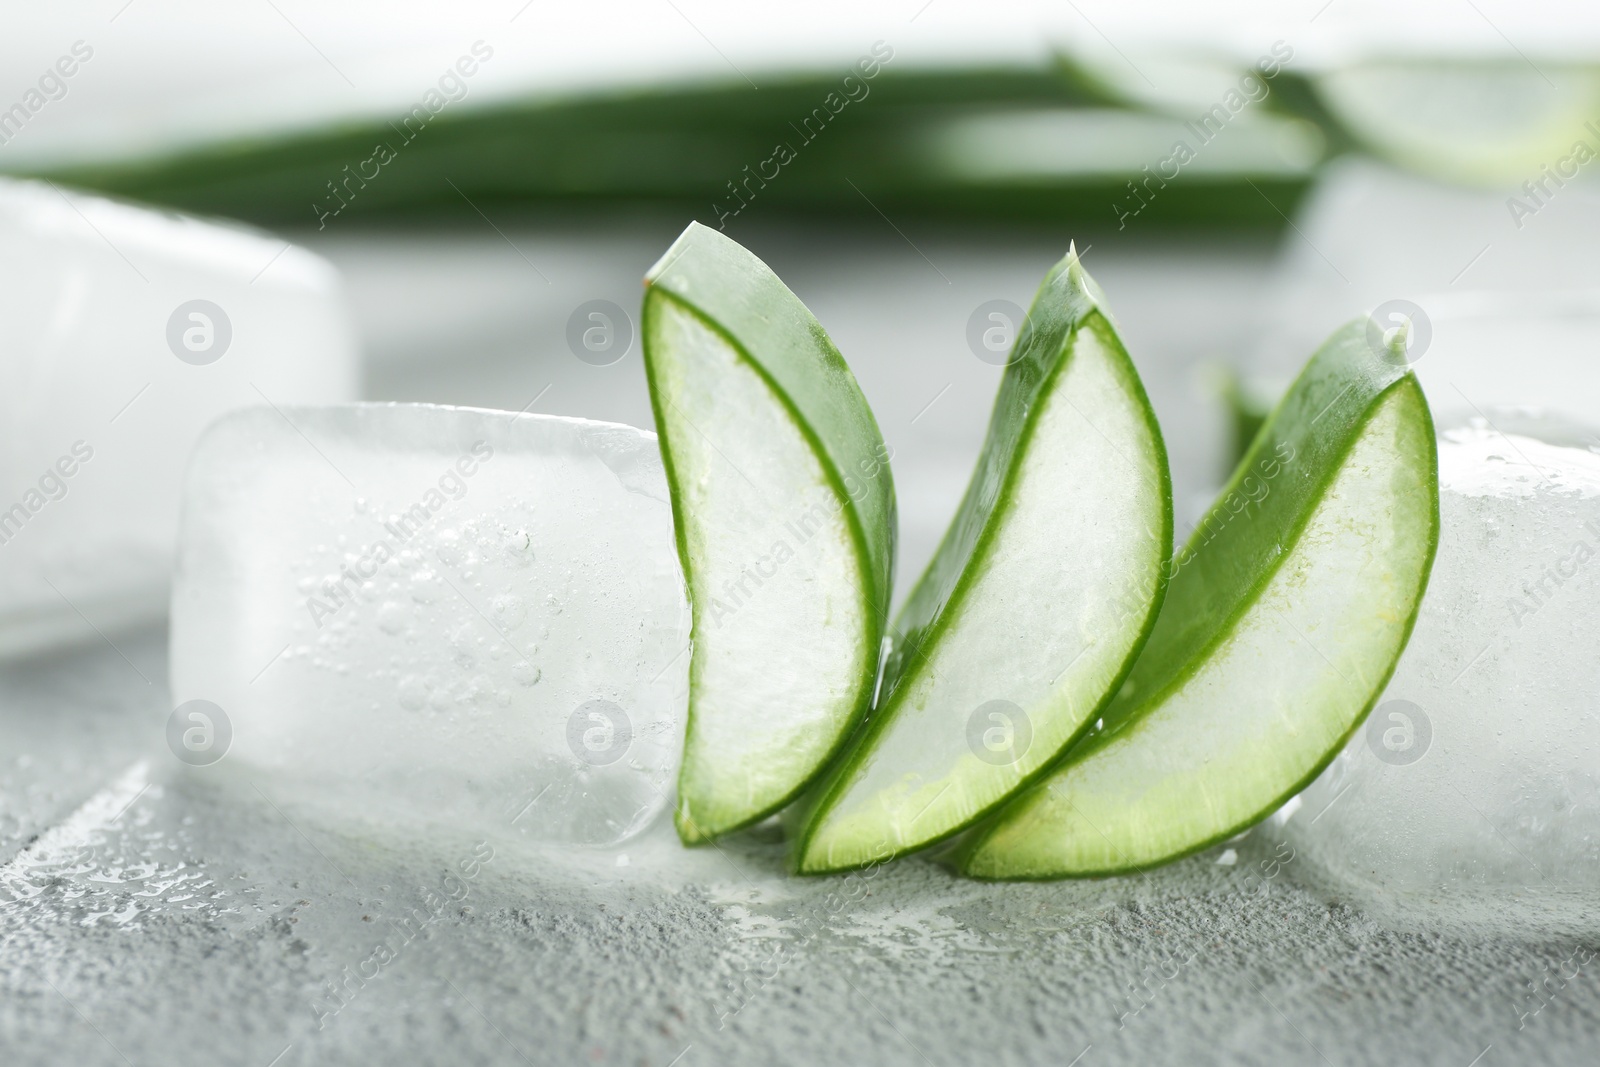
{"x":785,"y":517}
{"x":1281,"y":626}
{"x":1034,"y":606}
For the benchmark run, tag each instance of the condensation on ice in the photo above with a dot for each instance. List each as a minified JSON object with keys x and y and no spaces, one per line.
{"x":1478,"y":775}
{"x":438,"y":614}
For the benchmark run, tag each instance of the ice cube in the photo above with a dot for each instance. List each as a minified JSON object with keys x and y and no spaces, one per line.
{"x":1477,"y":776}
{"x":1479,"y":283}
{"x":123,"y":332}
{"x":471,"y":616}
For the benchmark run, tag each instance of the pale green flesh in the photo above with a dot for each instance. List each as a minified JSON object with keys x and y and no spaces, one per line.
{"x":782,"y":639}
{"x":1271,"y":701}
{"x":1051,"y":612}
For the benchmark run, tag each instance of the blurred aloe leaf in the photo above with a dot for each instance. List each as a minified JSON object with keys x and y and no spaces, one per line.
{"x":1480,"y":123}
{"x":1469,"y":121}
{"x":937,"y":143}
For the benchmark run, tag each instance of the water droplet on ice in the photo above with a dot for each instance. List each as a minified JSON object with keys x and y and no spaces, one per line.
{"x":449,"y":550}
{"x":425,"y":586}
{"x":518,"y":546}
{"x":509,"y":610}
{"x":391,"y":617}
{"x":526,"y":673}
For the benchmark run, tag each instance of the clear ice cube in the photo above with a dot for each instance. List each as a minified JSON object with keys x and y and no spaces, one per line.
{"x":123,"y":332}
{"x":474,"y":616}
{"x":1477,"y":776}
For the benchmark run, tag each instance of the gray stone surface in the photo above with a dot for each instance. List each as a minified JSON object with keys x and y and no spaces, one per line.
{"x":175,"y":915}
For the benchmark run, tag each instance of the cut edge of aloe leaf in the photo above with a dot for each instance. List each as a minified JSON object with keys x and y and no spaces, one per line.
{"x":960,"y":567}
{"x":1403,"y":387}
{"x":731,"y":295}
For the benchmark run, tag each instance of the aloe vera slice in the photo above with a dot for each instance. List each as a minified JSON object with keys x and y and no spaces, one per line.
{"x":1034,"y":605}
{"x":784,"y":512}
{"x":1289,"y":608}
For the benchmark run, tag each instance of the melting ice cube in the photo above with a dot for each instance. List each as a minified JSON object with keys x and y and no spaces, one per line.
{"x":123,"y":332}
{"x":476,"y":616}
{"x":1478,"y":773}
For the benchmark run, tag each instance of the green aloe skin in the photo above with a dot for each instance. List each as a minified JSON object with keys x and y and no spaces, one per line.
{"x":785,"y":517}
{"x":1282,"y":624}
{"x":1033,"y":608}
